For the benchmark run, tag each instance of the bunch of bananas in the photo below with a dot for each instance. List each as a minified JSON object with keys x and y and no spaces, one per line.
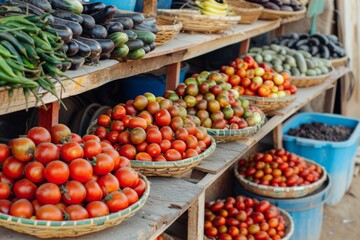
{"x":212,"y":7}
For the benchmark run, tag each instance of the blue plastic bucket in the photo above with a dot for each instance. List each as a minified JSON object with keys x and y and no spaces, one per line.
{"x":306,"y":212}
{"x":139,"y":84}
{"x":162,"y":4}
{"x":120,"y":4}
{"x":336,"y":157}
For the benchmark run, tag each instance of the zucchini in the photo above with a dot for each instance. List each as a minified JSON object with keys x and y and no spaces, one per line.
{"x":89,"y":21}
{"x":136,"y":54}
{"x":125,"y":21}
{"x":131,"y":34}
{"x":119,"y":38}
{"x":96,"y":32}
{"x":136,"y":17}
{"x":93,"y":7}
{"x":120,"y":52}
{"x":69,"y":5}
{"x":114,"y":27}
{"x":300,"y":62}
{"x":135,"y":44}
{"x":145,"y":36}
{"x":104,"y":16}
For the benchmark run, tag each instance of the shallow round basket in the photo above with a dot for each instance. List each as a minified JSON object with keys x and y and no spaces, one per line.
{"x":303,"y":82}
{"x":268,"y":14}
{"x":228,"y":135}
{"x":249,"y":12}
{"x":62,"y":229}
{"x":280,"y":192}
{"x":338,"y":62}
{"x":167,"y":30}
{"x":172,"y":168}
{"x":193,"y":21}
{"x":268,"y":105}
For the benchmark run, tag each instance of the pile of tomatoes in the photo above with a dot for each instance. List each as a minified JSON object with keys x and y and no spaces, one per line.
{"x":279,"y":168}
{"x":152,"y":129}
{"x":58,"y":175}
{"x":252,"y":79}
{"x":213,"y":104}
{"x":243,"y":218}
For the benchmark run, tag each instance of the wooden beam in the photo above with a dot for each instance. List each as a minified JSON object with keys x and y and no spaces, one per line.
{"x":280,"y":30}
{"x":330,"y":99}
{"x":277,"y":137}
{"x":49,"y":115}
{"x":173,"y":75}
{"x":150,"y":8}
{"x":244,"y":46}
{"x":196,"y":219}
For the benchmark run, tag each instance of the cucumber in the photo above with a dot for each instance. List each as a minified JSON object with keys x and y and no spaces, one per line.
{"x":276,"y":61}
{"x":69,"y":5}
{"x":311,"y":72}
{"x":300,"y":62}
{"x":286,"y":66}
{"x":120,"y":52}
{"x":306,"y":54}
{"x":135,"y":44}
{"x":275,"y":47}
{"x":145,"y":36}
{"x":290,"y":60}
{"x":295,"y":72}
{"x":267,"y":57}
{"x":318,"y":71}
{"x":282,"y":51}
{"x":278,"y":68}
{"x":258,"y":58}
{"x":309,"y":63}
{"x":324,"y":70}
{"x":268,"y":51}
{"x":119,"y":38}
{"x":136,"y":54}
{"x":281,"y":57}
{"x":255,"y":50}
{"x":131,"y":34}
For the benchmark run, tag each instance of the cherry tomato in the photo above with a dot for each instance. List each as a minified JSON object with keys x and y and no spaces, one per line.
{"x":80,"y":170}
{"x":49,"y":212}
{"x":57,"y":172}
{"x":4,"y":152}
{"x":116,"y":201}
{"x":59,"y":133}
{"x":5,"y":190}
{"x":21,"y":208}
{"x":24,"y":188}
{"x":103,"y":164}
{"x":97,"y":209}
{"x":74,"y":192}
{"x":93,"y":191}
{"x":127,"y":177}
{"x":71,"y":151}
{"x":48,"y":193}
{"x":13,"y":168}
{"x":5,"y":206}
{"x":76,"y":212}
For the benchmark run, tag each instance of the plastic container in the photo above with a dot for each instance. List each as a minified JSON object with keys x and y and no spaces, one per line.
{"x":306,"y":212}
{"x":336,"y":157}
{"x":120,"y":4}
{"x":154,"y":83}
{"x":162,"y":4}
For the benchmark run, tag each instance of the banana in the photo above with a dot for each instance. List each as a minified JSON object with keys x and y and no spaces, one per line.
{"x":212,"y":13}
{"x":215,"y":11}
{"x":214,"y":4}
{"x":211,"y":7}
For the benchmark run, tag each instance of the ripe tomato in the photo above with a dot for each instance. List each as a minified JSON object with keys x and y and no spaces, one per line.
{"x":211,"y":232}
{"x":22,"y":149}
{"x":101,"y":132}
{"x":13,"y":168}
{"x":92,"y":148}
{"x":24,"y":188}
{"x":191,"y":142}
{"x":97,"y":209}
{"x":4,"y":190}
{"x":5,"y":206}
{"x":140,"y":187}
{"x":262,"y":235}
{"x":142,"y":147}
{"x":263,"y":206}
{"x":162,"y":117}
{"x":59,"y":133}
{"x":116,"y":201}
{"x":179,"y":145}
{"x":127,"y":177}
{"x":49,"y":212}
{"x":75,"y":138}
{"x":104,"y":120}
{"x":71,"y":151}
{"x":46,"y":152}
{"x":80,"y":170}
{"x":4,"y":152}
{"x":74,"y":192}
{"x":108,"y":183}
{"x":143,"y":156}
{"x":128,"y":151}
{"x":113,"y":154}
{"x":191,"y":128}
{"x":124,"y":162}
{"x":131,"y":195}
{"x":103,"y":164}
{"x":39,"y":135}
{"x":106,"y":144}
{"x":76,"y":212}
{"x":86,"y":138}
{"x":57,"y":172}
{"x":48,"y":193}
{"x":153,"y":136}
{"x":167,"y":133}
{"x":137,"y":122}
{"x":34,"y":171}
{"x":36,"y":205}
{"x":124,"y":137}
{"x":165,"y":145}
{"x":191,"y":153}
{"x":147,"y":116}
{"x":93,"y":191}
{"x":117,"y":126}
{"x":173,"y":155}
{"x":21,"y":208}
{"x":118,"y":112}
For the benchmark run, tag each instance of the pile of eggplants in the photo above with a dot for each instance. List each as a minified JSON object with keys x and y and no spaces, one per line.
{"x":280,"y":5}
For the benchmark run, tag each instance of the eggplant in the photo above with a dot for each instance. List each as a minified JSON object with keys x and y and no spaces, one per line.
{"x":286,"y":8}
{"x":107,"y":45}
{"x":104,"y":56}
{"x":272,"y":6}
{"x":76,"y":62}
{"x":89,"y":21}
{"x":134,"y":44}
{"x":62,"y":31}
{"x":96,"y":32}
{"x":125,"y":21}
{"x":93,"y":7}
{"x":104,"y":16}
{"x":300,"y":43}
{"x":147,"y":48}
{"x":84,"y":50}
{"x":323,"y":39}
{"x":68,"y":16}
{"x":113,"y":27}
{"x":277,"y":2}
{"x":152,"y":45}
{"x":65,"y":66}
{"x":65,"y":48}
{"x":314,"y":50}
{"x":136,"y":17}
{"x":74,"y":26}
{"x":259,"y":1}
{"x":325,"y":53}
{"x":131,"y":34}
{"x":73,"y":48}
{"x":94,"y":46}
{"x":333,"y":38}
{"x":42,"y":4}
{"x":74,"y":6}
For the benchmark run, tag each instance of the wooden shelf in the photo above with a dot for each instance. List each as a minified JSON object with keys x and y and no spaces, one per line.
{"x":183,"y":47}
{"x":171,"y":197}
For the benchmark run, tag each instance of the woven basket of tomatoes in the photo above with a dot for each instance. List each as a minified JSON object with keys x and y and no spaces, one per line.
{"x":63,"y":185}
{"x":260,"y":84}
{"x":155,"y":134}
{"x":211,"y":103}
{"x":240,"y":217}
{"x":279,"y":174}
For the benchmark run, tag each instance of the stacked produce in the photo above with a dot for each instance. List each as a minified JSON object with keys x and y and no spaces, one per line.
{"x":59,"y":176}
{"x":251,"y":76}
{"x":318,"y":45}
{"x":152,"y":129}
{"x":94,"y":31}
{"x":244,"y":218}
{"x":212,"y":7}
{"x":211,"y":102}
{"x":280,"y":5}
{"x":296,"y":62}
{"x":279,"y":168}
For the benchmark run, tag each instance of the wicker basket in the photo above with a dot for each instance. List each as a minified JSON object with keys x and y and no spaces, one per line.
{"x":193,"y":21}
{"x":304,"y":82}
{"x":224,"y":135}
{"x":249,"y":12}
{"x":62,"y":229}
{"x":172,"y":168}
{"x":268,"y":14}
{"x":339,"y":61}
{"x":268,"y":105}
{"x":167,"y":30}
{"x":280,"y":192}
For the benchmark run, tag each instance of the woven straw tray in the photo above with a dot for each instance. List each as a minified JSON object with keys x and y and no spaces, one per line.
{"x":268,"y":14}
{"x":249,"y":12}
{"x":303,"y":82}
{"x":268,"y":105}
{"x":167,"y":30}
{"x":339,"y":61}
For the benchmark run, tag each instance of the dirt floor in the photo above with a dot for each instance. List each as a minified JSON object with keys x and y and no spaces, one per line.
{"x":342,"y":222}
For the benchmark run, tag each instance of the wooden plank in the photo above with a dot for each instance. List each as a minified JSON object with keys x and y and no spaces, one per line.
{"x":150,"y":8}
{"x":173,"y":75}
{"x":196,"y":219}
{"x":49,"y":115}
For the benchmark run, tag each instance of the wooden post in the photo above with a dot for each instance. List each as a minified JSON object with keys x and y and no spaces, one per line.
{"x":280,"y":30}
{"x":244,"y":46}
{"x":277,"y":137}
{"x":173,"y":75}
{"x":330,"y":99}
{"x":150,"y":8}
{"x":49,"y":117}
{"x":196,"y":219}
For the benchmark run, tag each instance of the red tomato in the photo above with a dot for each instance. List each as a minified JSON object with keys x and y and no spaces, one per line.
{"x":74,"y":192}
{"x":59,"y":133}
{"x":48,"y":193}
{"x":263,"y":206}
{"x":46,"y":152}
{"x":128,"y":151}
{"x":137,"y":135}
{"x":57,"y":172}
{"x":118,"y":112}
{"x":24,"y":188}
{"x":124,"y":137}
{"x":76,"y":212}
{"x":93,"y":191}
{"x":39,"y":135}
{"x":86,"y":138}
{"x":106,"y":144}
{"x":49,"y":212}
{"x":124,"y":162}
{"x":34,"y":171}
{"x":71,"y":151}
{"x":36,"y":205}
{"x":173,"y":155}
{"x":21,"y":208}
{"x":80,"y":170}
{"x":127,"y":177}
{"x":4,"y":152}
{"x":191,"y":128}
{"x":22,"y":149}
{"x":142,"y":147}
{"x":103,"y":164}
{"x":5,"y":206}
{"x":116,"y":201}
{"x":131,"y":195}
{"x":138,"y":122}
{"x":6,"y":179}
{"x":92,"y":148}
{"x":97,"y":209}
{"x":113,"y":154}
{"x":5,"y":190}
{"x":104,"y":120}
{"x":165,"y":145}
{"x":13,"y":168}
{"x":181,"y":134}
{"x":162,"y":117}
{"x":167,"y":133}
{"x":140,"y":187}
{"x":75,"y":138}
{"x":117,"y":126}
{"x":153,"y":149}
{"x":191,"y":142}
{"x":191,"y":153}
{"x":153,"y":136}
{"x":143,"y":156}
{"x":108,"y":183}
{"x":179,"y":145}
